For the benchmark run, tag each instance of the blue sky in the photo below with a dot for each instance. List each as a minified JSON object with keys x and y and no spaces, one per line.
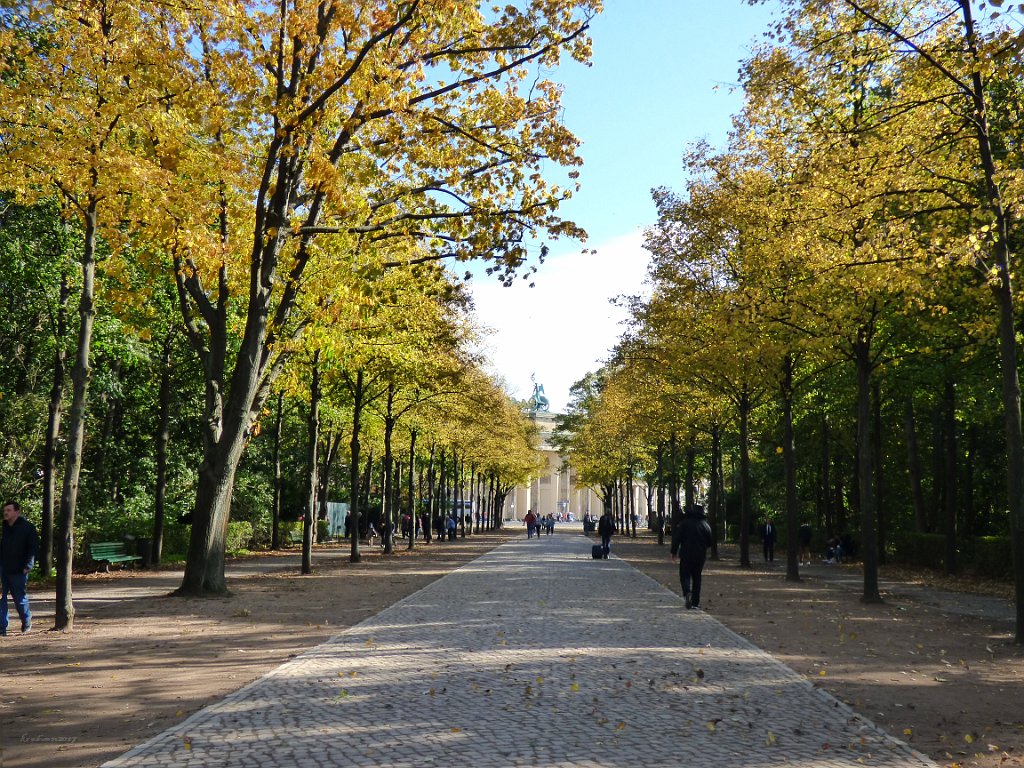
{"x":663,"y":77}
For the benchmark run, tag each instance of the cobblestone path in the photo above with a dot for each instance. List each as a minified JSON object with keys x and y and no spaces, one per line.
{"x":532,"y":655}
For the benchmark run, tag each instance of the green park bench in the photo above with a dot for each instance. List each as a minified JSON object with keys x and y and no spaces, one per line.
{"x":107,"y":552}
{"x":295,"y":536}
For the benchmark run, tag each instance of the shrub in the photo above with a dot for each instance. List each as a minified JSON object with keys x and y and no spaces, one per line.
{"x":993,"y":556}
{"x":239,"y":535}
{"x":926,"y":550}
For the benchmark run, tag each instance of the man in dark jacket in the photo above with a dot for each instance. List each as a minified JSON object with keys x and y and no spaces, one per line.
{"x":690,"y":541}
{"x":18,"y":547}
{"x":605,"y":529}
{"x":768,"y":536}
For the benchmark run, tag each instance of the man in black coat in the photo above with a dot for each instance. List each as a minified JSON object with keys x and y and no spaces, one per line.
{"x":768,"y":536}
{"x":605,"y":529}
{"x":690,"y":541}
{"x":18,"y":547}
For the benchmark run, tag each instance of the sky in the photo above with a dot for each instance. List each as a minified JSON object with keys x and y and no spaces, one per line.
{"x":663,"y":77}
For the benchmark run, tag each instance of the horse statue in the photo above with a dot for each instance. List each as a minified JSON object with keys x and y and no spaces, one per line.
{"x":538,"y":400}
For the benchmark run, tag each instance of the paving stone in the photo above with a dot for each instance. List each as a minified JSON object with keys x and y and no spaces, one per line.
{"x":530,"y":656}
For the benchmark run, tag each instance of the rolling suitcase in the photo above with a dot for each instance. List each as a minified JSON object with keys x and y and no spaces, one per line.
{"x":597,"y":552}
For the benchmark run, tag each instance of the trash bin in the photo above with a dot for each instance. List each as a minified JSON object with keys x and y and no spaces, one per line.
{"x":144,"y":549}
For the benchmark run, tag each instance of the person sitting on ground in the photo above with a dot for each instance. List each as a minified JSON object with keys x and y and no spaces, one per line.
{"x":834,"y":553}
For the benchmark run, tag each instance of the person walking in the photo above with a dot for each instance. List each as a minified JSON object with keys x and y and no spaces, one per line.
{"x":768,"y":536}
{"x":531,"y":524}
{"x":18,"y":546}
{"x":690,"y":541}
{"x":805,"y":535}
{"x":606,"y":529}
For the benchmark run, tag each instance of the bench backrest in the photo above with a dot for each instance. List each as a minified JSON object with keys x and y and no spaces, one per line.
{"x":101,"y":549}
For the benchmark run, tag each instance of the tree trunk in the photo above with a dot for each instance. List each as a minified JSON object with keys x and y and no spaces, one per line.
{"x":969,"y":523}
{"x":275,"y":511}
{"x":387,"y":523}
{"x":673,"y":482}
{"x":109,"y":404}
{"x":869,"y":539}
{"x":789,"y":460}
{"x":413,"y":506}
{"x":55,"y":411}
{"x":934,"y":518}
{"x":1002,"y":290}
{"x":660,"y":470}
{"x":163,"y":437}
{"x":460,"y":494}
{"x":428,"y":513}
{"x":691,"y":460}
{"x":914,"y":464}
{"x":876,"y":433}
{"x":717,"y":489}
{"x":745,"y":487}
{"x":826,"y":515}
{"x":950,"y":475}
{"x":838,"y":497}
{"x":364,"y":488}
{"x":357,"y":412}
{"x":442,"y":497}
{"x":331,"y":446}
{"x":65,"y":549}
{"x":225,"y":429}
{"x":312,"y":465}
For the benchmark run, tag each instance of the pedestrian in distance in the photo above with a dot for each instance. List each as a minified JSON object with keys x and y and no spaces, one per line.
{"x":768,"y":536}
{"x":805,"y":534}
{"x":18,"y":546}
{"x":530,"y":521}
{"x":606,"y":529}
{"x":691,"y":538}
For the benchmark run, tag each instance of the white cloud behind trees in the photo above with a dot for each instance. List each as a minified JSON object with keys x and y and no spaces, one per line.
{"x":565,"y":325}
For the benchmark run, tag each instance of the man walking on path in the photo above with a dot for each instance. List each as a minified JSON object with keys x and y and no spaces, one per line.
{"x":690,"y":540}
{"x":605,"y":529}
{"x":18,"y":547}
{"x":531,"y":524}
{"x":768,"y":535}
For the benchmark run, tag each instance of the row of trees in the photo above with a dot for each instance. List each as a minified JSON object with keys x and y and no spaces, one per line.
{"x":274,"y":184}
{"x":832,"y":296}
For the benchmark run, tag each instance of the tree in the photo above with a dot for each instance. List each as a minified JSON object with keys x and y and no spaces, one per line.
{"x":371,"y":121}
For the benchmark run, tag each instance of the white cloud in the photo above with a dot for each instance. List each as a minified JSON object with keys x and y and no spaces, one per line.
{"x":565,"y":325}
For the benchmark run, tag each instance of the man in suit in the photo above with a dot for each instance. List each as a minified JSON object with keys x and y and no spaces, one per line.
{"x":768,"y":535}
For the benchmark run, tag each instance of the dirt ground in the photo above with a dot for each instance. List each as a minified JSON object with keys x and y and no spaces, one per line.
{"x":138,"y":662}
{"x":949,"y":685}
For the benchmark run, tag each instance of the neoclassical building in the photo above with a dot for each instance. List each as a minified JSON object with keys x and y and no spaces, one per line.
{"x":554,"y":491}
